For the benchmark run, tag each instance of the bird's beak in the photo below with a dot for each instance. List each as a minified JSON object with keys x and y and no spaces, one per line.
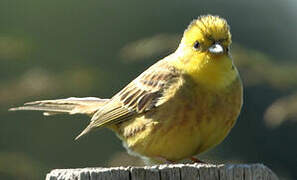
{"x":216,"y":49}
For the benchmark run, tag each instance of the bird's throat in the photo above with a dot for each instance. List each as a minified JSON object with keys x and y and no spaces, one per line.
{"x":213,"y":72}
{"x":216,"y":73}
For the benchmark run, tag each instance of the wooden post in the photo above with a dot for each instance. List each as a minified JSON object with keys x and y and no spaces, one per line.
{"x":168,"y":172}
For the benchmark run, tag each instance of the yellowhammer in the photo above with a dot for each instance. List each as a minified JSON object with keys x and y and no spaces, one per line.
{"x":181,"y":106}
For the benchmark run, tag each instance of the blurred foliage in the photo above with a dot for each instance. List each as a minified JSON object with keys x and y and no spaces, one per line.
{"x":62,"y":48}
{"x":284,"y":108}
{"x":148,"y":47}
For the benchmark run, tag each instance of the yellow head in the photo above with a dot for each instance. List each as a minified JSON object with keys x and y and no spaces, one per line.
{"x":204,"y":51}
{"x":208,"y":34}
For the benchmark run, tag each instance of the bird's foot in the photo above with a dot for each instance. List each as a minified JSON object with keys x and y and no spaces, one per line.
{"x":195,"y":160}
{"x":164,"y":160}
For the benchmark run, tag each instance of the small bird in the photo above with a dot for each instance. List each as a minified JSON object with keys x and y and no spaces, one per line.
{"x":181,"y":106}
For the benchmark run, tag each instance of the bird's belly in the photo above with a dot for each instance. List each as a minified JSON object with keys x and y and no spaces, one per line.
{"x":181,"y":136}
{"x":186,"y":129}
{"x":182,"y":139}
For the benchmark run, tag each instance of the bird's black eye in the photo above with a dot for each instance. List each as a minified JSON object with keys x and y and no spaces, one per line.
{"x":227,"y":49}
{"x":196,"y":45}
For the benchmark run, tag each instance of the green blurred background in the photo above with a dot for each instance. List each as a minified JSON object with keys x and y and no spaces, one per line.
{"x":62,"y":48}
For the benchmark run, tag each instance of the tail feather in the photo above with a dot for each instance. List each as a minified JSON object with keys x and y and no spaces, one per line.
{"x":85,"y":131}
{"x":72,"y":105}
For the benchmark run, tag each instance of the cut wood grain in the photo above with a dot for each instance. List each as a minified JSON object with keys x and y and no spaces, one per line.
{"x":168,"y":172}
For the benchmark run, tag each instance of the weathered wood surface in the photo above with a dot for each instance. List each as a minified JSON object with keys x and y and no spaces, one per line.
{"x":168,"y":172}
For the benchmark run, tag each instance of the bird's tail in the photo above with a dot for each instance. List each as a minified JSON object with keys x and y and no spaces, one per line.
{"x":72,"y":105}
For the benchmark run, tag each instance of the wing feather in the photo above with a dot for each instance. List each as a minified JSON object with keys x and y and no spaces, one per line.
{"x":139,"y":96}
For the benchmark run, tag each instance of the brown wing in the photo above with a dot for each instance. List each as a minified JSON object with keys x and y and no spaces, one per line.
{"x":141,"y":95}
